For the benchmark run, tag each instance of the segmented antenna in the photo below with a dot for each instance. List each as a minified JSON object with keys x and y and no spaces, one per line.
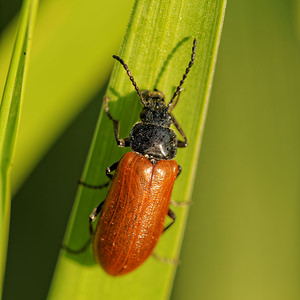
{"x":121,"y":61}
{"x":178,"y":89}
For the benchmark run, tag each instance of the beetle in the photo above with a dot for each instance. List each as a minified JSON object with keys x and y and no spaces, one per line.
{"x":133,"y":214}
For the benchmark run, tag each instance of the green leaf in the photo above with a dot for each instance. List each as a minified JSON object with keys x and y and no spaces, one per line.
{"x":157,"y":49}
{"x":9,"y":117}
{"x":70,"y":62}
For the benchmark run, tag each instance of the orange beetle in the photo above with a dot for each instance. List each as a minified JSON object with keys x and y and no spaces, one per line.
{"x":133,"y":214}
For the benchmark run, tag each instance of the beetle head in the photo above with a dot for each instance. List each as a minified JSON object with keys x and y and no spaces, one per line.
{"x":155,"y":110}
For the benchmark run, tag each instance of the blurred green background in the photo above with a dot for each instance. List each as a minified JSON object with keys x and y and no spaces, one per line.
{"x":243,"y":236}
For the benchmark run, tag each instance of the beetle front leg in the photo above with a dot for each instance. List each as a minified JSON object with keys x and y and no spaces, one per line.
{"x":180,"y":144}
{"x":120,"y":142}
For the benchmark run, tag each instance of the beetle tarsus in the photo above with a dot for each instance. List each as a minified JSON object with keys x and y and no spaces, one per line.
{"x":180,"y":204}
{"x":166,"y":260}
{"x":91,"y":186}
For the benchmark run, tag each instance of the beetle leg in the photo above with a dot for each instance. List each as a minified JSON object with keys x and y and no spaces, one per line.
{"x":78,"y":251}
{"x":179,"y":171}
{"x":92,"y":218}
{"x":94,"y":215}
{"x":180,"y":204}
{"x":180,"y":144}
{"x":166,"y":260}
{"x":91,"y":186}
{"x":108,"y":172}
{"x":111,"y":169}
{"x":120,"y":142}
{"x":172,"y":261}
{"x":172,"y":215}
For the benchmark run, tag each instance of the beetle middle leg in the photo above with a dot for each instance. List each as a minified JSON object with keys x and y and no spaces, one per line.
{"x":182,"y":203}
{"x":108,"y":172}
{"x":172,"y":215}
{"x":95,"y":212}
{"x":120,"y":142}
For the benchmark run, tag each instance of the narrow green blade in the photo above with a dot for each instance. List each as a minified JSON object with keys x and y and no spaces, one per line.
{"x":69,"y":62}
{"x":9,"y":117}
{"x":157,"y":49}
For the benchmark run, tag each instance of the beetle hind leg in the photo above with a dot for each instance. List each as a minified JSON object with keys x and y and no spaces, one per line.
{"x":92,"y":218}
{"x":166,"y":260}
{"x":95,"y":212}
{"x":171,"y":261}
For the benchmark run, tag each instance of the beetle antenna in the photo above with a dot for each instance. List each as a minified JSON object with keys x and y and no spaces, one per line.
{"x":187,"y":70}
{"x":121,"y":61}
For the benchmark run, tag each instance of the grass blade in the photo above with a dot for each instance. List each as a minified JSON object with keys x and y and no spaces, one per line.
{"x":69,"y":62}
{"x":157,"y":48}
{"x":10,"y":115}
